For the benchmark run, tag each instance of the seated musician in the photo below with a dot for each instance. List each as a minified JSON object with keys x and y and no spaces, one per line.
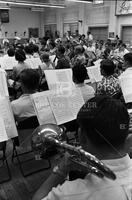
{"x":20,"y":57}
{"x":121,"y":51}
{"x":127,"y":64}
{"x":79,"y":76}
{"x":103,"y":130}
{"x":109,"y":84}
{"x":22,"y":107}
{"x":63,"y":61}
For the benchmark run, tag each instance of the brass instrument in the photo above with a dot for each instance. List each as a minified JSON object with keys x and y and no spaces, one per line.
{"x":51,"y":134}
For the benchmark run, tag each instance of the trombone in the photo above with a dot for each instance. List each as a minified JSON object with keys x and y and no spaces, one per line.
{"x":51,"y":134}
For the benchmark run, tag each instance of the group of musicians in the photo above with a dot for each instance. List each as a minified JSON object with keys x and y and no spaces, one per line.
{"x":103,"y":121}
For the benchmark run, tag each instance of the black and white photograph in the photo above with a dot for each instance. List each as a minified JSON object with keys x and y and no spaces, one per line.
{"x":65,"y":99}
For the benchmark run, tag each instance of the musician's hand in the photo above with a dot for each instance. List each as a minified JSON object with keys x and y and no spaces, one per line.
{"x":64,"y":164}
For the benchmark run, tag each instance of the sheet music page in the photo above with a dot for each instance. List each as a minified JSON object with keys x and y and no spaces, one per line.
{"x":7,"y":115}
{"x":58,"y":78}
{"x":94,"y":73}
{"x":42,"y":107}
{"x":126,"y":86}
{"x":3,"y":84}
{"x":3,"y":135}
{"x":8,"y":63}
{"x":66,"y":107}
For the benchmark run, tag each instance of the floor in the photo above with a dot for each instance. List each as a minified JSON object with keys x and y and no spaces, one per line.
{"x":20,"y":188}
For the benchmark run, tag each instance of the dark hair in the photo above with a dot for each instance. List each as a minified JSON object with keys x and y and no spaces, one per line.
{"x":20,"y":55}
{"x":28,"y":49}
{"x":79,"y":49}
{"x":128,"y":58}
{"x":123,"y":45}
{"x":30,"y":78}
{"x":105,"y":121}
{"x":61,"y":49}
{"x":11,"y":52}
{"x":35,"y":48}
{"x":52,"y":43}
{"x":79,"y":72}
{"x":108,"y":67}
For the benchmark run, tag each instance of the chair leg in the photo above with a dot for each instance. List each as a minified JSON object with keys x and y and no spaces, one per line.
{"x":5,"y":162}
{"x":15,"y":154}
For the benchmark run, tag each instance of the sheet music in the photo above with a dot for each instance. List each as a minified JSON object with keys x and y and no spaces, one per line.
{"x":42,"y":107}
{"x":8,"y":63}
{"x":7,"y":115}
{"x":94,"y":73}
{"x":58,"y":78}
{"x":66,"y":107}
{"x":3,"y":84}
{"x":3,"y":135}
{"x":126,"y":87}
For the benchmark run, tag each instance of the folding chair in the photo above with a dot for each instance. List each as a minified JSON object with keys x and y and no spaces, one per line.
{"x":5,"y":174}
{"x":23,"y":142}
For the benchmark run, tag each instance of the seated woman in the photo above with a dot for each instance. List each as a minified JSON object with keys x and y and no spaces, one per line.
{"x":46,"y":62}
{"x":22,"y":107}
{"x":109,"y":84}
{"x":20,"y":57}
{"x":79,"y":75}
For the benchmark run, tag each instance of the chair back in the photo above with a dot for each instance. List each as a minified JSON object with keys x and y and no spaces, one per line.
{"x":25,"y":129}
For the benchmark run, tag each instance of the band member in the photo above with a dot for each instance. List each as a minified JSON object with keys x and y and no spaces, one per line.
{"x":104,"y":124}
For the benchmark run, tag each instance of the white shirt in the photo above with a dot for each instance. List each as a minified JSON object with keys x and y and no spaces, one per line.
{"x":119,"y":53}
{"x":90,"y":37}
{"x":92,"y":48}
{"x":94,"y":188}
{"x":23,"y":108}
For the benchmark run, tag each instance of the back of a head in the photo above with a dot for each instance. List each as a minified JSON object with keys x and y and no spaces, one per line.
{"x":45,"y":57}
{"x":78,"y":49}
{"x":105,"y":121}
{"x":28,"y":49}
{"x":11,"y":52}
{"x":128,"y":58}
{"x":123,"y":45}
{"x":61,"y":49}
{"x":79,"y":73}
{"x":20,"y":55}
{"x":107,"y":67}
{"x":35,"y":48}
{"x":30,"y":79}
{"x":52,"y":43}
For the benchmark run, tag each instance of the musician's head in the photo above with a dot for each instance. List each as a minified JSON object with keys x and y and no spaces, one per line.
{"x":29,"y":79}
{"x":122,"y":47}
{"x":79,"y":72}
{"x":107,"y":67}
{"x":128,"y":60}
{"x":104,"y":124}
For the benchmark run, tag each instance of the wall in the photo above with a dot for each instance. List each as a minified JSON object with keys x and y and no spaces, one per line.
{"x":123,"y":20}
{"x":90,"y":15}
{"x":61,"y":16}
{"x":20,"y":21}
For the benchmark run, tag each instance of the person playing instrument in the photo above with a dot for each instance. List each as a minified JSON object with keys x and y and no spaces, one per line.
{"x":104,"y":124}
{"x":79,"y":72}
{"x":109,"y":84}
